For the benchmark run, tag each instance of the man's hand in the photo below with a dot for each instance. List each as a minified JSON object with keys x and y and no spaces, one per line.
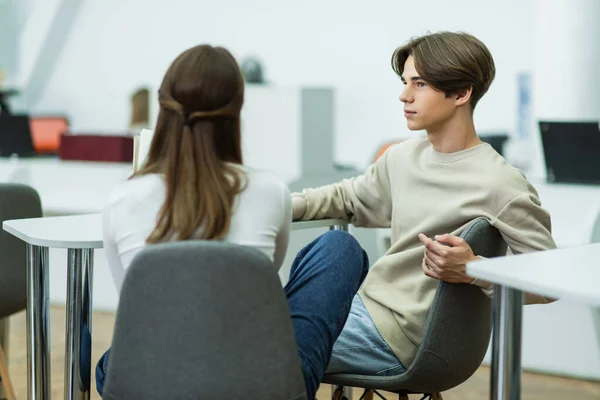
{"x":298,"y":206}
{"x":446,"y":258}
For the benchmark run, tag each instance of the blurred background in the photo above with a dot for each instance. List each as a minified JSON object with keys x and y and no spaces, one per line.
{"x":79,"y":78}
{"x":84,"y":59}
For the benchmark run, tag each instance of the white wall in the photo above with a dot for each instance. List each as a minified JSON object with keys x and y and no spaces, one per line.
{"x":566,"y":62}
{"x":37,"y":18}
{"x":116,"y":45}
{"x":8,"y":49}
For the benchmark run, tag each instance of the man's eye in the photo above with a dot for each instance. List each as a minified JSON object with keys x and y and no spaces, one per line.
{"x":421,"y":84}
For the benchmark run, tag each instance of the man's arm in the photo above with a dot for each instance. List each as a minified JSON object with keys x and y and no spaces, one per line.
{"x":526,"y":227}
{"x":365,"y":200}
{"x":523,"y":224}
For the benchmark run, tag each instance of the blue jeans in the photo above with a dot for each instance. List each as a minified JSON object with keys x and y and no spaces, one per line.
{"x":329,"y":317}
{"x":360,"y":349}
{"x":321,"y":292}
{"x":101,"y":369}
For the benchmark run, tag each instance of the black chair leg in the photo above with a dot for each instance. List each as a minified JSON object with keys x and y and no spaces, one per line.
{"x":378,"y":394}
{"x":338,"y":394}
{"x":432,"y":396}
{"x":367,"y":395}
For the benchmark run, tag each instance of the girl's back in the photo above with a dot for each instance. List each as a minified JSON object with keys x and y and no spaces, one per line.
{"x":261,"y":218}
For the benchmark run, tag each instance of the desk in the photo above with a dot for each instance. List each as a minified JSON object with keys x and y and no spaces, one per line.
{"x":571,"y":273}
{"x":80,"y":234}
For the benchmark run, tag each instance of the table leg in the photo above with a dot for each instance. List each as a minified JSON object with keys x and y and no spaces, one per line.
{"x":78,"y":332}
{"x":38,"y":334}
{"x":505,"y":380}
{"x":341,"y":227}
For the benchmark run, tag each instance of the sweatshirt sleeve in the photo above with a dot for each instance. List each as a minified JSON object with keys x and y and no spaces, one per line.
{"x":364,"y":200}
{"x":526,"y":227}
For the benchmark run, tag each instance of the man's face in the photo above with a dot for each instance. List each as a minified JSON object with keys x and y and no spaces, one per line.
{"x":425,"y":108}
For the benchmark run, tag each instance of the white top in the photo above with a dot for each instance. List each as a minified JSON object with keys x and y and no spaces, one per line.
{"x":261,"y":219}
{"x":564,"y":273}
{"x":72,"y":232}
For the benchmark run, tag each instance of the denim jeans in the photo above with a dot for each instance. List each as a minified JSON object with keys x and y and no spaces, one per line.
{"x":360,"y":349}
{"x":321,"y":292}
{"x":328,"y":315}
{"x":101,"y":369}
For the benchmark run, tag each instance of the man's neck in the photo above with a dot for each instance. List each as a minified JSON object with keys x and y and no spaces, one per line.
{"x":455,"y":135}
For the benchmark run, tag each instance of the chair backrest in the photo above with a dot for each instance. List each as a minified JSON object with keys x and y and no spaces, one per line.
{"x":203,"y":320}
{"x":458,"y":328}
{"x":16,"y":201}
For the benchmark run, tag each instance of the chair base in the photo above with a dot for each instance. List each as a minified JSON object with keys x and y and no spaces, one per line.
{"x":369,"y":394}
{"x":338,"y":394}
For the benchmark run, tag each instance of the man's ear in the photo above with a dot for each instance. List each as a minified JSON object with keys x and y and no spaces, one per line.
{"x":463,"y":96}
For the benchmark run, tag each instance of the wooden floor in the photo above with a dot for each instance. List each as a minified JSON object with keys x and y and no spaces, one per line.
{"x":534,"y":387}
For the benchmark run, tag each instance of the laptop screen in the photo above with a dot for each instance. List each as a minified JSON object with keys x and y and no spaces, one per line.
{"x":15,"y":136}
{"x":571,"y":151}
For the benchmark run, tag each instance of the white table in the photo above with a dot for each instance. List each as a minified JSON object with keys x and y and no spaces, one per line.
{"x":80,"y":234}
{"x":571,"y":273}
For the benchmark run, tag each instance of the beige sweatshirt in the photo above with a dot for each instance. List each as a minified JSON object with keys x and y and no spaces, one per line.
{"x":414,"y":189}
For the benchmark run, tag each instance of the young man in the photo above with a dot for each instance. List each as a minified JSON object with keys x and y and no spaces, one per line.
{"x":427,"y":190}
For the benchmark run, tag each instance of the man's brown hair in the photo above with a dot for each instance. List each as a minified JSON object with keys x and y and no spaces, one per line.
{"x":450,"y":62}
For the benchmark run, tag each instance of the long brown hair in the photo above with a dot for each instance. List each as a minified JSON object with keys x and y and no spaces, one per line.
{"x":197,"y":145}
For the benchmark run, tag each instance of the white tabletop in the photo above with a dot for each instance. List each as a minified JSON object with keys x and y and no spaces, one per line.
{"x":71,"y":232}
{"x":563,"y":273}
{"x":85,"y":231}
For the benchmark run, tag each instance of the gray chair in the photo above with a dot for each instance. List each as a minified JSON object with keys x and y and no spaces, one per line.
{"x":456,"y":335}
{"x":203,"y":320}
{"x":16,"y":201}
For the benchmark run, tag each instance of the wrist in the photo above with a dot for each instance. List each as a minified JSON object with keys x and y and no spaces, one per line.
{"x":298,"y":206}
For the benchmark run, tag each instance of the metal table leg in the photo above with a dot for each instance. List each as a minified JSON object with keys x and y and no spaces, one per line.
{"x":341,"y":227}
{"x":38,"y":334}
{"x":347,"y":390}
{"x":78,"y":336}
{"x":506,"y":344}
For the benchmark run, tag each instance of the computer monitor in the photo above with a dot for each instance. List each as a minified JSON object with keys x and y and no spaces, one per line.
{"x":46,"y":132}
{"x":571,"y":151}
{"x":15,"y":136}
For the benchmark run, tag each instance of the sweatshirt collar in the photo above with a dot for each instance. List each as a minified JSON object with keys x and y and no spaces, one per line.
{"x":459,"y":155}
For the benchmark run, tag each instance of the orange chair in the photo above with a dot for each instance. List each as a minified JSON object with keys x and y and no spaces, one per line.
{"x":46,"y":133}
{"x":383,"y":148}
